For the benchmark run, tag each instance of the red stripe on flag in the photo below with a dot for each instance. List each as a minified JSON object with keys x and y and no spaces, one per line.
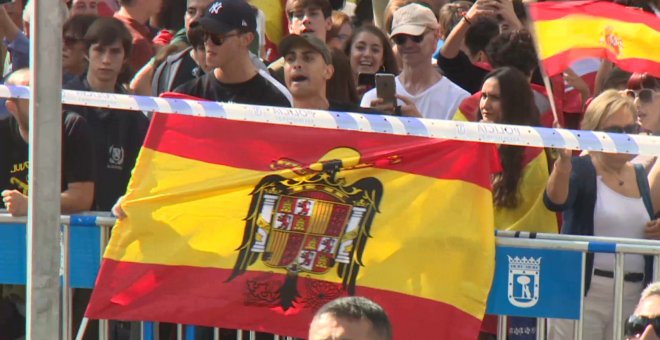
{"x":557,"y":63}
{"x":601,"y":9}
{"x":233,"y":143}
{"x":200,"y":296}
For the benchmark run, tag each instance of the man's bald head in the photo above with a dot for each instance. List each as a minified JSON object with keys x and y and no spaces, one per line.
{"x":20,"y":108}
{"x":351,"y":317}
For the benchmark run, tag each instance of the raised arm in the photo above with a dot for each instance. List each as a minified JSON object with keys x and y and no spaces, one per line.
{"x":558,"y":183}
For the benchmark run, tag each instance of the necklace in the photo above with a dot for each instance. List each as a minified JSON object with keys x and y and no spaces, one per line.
{"x":612,"y":171}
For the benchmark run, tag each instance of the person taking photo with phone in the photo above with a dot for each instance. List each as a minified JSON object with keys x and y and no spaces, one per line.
{"x":421,"y":91}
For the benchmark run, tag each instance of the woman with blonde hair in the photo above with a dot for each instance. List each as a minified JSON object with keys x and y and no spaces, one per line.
{"x":603,"y":194}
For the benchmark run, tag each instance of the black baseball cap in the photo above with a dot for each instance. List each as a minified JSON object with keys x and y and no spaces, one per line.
{"x":227,"y":15}
{"x":306,"y":39}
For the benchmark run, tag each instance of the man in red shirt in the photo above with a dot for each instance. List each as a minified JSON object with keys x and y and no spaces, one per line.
{"x":135,"y":14}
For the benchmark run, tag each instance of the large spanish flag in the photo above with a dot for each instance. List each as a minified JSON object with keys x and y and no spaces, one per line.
{"x":254,"y":226}
{"x":572,"y":30}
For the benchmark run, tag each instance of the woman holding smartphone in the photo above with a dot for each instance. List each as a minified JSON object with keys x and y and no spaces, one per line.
{"x":370,"y":52}
{"x":603,"y":194}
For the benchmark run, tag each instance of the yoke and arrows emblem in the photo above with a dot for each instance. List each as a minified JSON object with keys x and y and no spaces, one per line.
{"x":310,"y":224}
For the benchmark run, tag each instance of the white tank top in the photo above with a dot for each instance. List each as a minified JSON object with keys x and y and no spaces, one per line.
{"x":616,"y":215}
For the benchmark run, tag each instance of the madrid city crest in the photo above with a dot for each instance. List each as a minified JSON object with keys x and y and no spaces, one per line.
{"x":311,"y":224}
{"x":524,"y":280}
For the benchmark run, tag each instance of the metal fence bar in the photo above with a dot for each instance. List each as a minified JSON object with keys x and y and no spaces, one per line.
{"x":105,"y":236}
{"x":565,"y":237}
{"x":579,"y":325}
{"x":179,"y":332}
{"x":501,"y":327}
{"x":617,"y":329}
{"x":540,"y":328}
{"x":216,"y":333}
{"x":656,"y":268}
{"x":66,"y":283}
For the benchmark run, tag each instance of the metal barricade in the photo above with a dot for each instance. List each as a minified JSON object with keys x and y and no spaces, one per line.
{"x":95,"y":226}
{"x":618,"y":246}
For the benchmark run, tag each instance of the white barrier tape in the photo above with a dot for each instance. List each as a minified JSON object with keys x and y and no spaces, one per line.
{"x":466,"y":131}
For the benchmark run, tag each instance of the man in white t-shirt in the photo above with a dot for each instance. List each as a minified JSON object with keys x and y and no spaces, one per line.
{"x":420,"y":89}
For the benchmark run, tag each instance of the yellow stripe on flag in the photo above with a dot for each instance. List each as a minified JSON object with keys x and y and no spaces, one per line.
{"x":531,"y":214}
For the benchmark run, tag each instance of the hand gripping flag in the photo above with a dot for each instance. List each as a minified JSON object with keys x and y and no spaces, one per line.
{"x":572,"y":30}
{"x":254,"y":226}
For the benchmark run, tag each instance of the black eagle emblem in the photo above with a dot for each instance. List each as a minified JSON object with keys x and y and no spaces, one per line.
{"x":309,"y":224}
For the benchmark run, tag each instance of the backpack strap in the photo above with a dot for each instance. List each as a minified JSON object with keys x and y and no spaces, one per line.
{"x":644,"y":189}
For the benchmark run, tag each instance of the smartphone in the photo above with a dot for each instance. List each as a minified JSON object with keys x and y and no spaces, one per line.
{"x":386,"y":88}
{"x":367,"y":80}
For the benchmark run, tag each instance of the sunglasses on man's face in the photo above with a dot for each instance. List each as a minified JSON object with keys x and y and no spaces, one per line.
{"x":629,"y":129}
{"x":635,"y":325}
{"x":401,"y":39}
{"x":644,"y":95}
{"x":218,"y":39}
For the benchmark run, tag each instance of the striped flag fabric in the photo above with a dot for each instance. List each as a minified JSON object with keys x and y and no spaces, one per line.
{"x":530,"y":214}
{"x":254,"y":226}
{"x":572,"y":30}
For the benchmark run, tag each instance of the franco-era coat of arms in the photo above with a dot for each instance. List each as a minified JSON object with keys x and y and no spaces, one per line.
{"x":310,"y":225}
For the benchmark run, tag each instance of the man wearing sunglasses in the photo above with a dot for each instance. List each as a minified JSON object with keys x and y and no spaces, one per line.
{"x":421,"y":90}
{"x":229,"y":28}
{"x":644,"y":324}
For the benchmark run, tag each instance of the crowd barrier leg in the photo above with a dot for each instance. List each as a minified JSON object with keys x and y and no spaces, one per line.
{"x":501,"y":327}
{"x":66,"y":285}
{"x":540,"y":328}
{"x":103,"y":324}
{"x":617,"y":330}
{"x":103,"y":329}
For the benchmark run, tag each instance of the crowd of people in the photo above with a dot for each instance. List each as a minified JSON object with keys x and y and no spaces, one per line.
{"x":458,"y":60}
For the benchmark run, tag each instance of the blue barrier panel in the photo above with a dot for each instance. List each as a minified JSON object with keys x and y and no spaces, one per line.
{"x":13,"y":263}
{"x":84,"y":255}
{"x":84,"y":245}
{"x":536,"y":283}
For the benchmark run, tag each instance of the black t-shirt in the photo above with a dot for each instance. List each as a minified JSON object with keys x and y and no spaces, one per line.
{"x":118,"y":137}
{"x":77,"y":154}
{"x":256,"y":91}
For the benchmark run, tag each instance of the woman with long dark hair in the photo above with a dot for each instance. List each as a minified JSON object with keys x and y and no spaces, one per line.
{"x":369,"y":51}
{"x":507,"y":98}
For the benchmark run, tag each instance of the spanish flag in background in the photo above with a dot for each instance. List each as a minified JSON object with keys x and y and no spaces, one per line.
{"x":572,"y":30}
{"x":254,"y":226}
